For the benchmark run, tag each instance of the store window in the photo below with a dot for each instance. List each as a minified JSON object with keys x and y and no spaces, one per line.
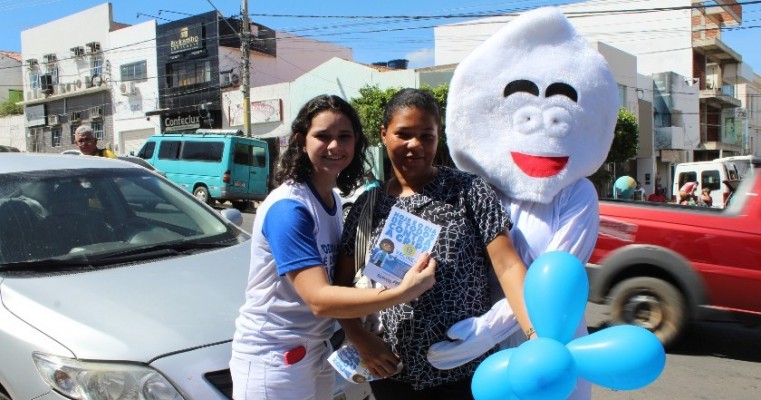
{"x":188,"y":73}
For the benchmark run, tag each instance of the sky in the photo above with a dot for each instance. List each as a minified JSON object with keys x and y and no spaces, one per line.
{"x":398,"y":29}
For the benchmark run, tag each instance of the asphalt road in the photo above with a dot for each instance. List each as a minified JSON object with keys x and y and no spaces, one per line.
{"x":713,"y":361}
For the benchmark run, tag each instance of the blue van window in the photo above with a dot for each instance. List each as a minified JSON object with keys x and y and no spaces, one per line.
{"x":169,"y":150}
{"x":146,"y":153}
{"x":260,"y":156}
{"x":202,"y":151}
{"x":246,"y":154}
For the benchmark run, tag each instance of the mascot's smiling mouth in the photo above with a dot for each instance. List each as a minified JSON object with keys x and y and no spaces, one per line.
{"x":539,"y":166}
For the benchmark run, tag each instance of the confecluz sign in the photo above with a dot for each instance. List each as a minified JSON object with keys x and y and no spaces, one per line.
{"x":188,"y":38}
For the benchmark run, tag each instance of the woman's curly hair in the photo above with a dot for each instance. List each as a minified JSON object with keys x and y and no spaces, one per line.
{"x":295,"y":163}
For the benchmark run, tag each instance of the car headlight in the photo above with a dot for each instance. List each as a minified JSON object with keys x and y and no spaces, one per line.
{"x":90,"y":380}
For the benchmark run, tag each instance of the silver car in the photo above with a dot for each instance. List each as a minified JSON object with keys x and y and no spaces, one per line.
{"x":114,"y":283}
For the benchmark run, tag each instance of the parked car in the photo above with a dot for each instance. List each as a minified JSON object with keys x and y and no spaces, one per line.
{"x":8,"y":149}
{"x":103,"y":295}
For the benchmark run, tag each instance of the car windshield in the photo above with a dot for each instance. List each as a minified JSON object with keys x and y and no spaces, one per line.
{"x":95,"y":217}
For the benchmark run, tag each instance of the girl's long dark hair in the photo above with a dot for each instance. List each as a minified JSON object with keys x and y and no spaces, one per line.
{"x":295,"y":163}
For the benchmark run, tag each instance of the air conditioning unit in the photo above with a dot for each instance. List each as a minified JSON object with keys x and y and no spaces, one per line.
{"x":92,"y":48}
{"x":53,"y":120}
{"x":61,"y":88}
{"x":49,"y":58}
{"x":77,"y":51}
{"x":74,"y":116}
{"x":96,"y":112}
{"x":88,"y":83}
{"x":128,"y":88}
{"x":709,"y":84}
{"x":32,"y":63}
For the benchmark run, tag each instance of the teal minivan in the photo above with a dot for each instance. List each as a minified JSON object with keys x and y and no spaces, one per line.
{"x":212,"y":164}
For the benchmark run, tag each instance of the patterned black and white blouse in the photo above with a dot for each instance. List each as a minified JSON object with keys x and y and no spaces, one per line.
{"x":471,"y":216}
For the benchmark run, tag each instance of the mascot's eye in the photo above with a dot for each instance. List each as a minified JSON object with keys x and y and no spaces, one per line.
{"x":521,"y":85}
{"x":562,"y":89}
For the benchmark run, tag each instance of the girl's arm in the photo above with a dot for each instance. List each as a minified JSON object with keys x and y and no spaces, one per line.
{"x":325,"y":300}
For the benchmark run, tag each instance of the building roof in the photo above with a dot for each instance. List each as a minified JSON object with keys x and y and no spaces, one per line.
{"x":10,"y":54}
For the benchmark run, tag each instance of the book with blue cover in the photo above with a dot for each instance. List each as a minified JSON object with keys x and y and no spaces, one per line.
{"x":404,"y":238}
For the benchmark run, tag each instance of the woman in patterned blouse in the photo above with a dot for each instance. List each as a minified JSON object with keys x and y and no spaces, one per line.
{"x":473,"y":238}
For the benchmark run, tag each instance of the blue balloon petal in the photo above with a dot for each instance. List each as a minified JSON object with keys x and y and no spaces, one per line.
{"x":556,"y":289}
{"x":542,"y":369}
{"x":623,"y":357}
{"x":490,"y":379}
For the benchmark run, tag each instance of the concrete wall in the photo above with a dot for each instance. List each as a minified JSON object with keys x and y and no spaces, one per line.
{"x":12,"y":131}
{"x":295,"y":56}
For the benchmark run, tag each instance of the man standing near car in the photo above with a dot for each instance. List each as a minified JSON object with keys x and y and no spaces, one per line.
{"x":85,"y":139}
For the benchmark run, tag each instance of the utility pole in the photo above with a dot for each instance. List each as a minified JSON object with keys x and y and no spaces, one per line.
{"x":245,"y":42}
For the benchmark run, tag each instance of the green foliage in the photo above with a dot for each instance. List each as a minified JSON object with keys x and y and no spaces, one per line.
{"x":623,"y":149}
{"x":372,"y":103}
{"x":10,"y":107}
{"x":625,"y":139}
{"x":370,"y":106}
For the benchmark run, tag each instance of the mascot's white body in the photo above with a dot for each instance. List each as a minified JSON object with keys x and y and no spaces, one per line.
{"x":532,"y":110}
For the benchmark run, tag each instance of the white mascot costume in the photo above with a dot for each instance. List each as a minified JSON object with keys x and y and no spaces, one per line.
{"x":532,"y":110}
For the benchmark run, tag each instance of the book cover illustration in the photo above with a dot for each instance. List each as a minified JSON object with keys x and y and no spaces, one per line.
{"x":403,"y":239}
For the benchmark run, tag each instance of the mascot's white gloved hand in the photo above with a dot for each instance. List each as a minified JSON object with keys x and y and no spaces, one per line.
{"x":474,"y":336}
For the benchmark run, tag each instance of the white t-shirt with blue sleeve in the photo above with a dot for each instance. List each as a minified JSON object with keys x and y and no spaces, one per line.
{"x":293,"y":229}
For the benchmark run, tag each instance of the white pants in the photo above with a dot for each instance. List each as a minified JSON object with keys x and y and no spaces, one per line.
{"x":265,"y":376}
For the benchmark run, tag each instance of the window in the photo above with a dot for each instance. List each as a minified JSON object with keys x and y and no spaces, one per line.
{"x":146,"y":152}
{"x":97,"y":128}
{"x":73,"y":129}
{"x":169,"y":150}
{"x":34,"y":79}
{"x":96,"y":66}
{"x":685,"y":177}
{"x":134,"y":71}
{"x":188,"y":73}
{"x":621,"y":96}
{"x":38,"y":141}
{"x":710,"y":179}
{"x":55,"y":136}
{"x":53,"y":71}
{"x":202,"y":151}
{"x":246,"y":154}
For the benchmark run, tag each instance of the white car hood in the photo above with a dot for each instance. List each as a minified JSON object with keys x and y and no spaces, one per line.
{"x":136,"y":312}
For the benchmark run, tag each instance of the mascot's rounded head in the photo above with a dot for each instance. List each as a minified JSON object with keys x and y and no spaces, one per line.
{"x":533,"y":108}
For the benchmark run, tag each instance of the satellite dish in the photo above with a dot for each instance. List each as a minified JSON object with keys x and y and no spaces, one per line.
{"x":234,"y":79}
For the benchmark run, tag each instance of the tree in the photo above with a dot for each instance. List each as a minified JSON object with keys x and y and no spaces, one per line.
{"x":624,"y":148}
{"x":371,"y":104}
{"x":10,"y":107}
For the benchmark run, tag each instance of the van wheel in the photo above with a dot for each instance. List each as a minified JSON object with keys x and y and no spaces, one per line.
{"x":202,"y":194}
{"x":241,"y":205}
{"x":651,"y":303}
